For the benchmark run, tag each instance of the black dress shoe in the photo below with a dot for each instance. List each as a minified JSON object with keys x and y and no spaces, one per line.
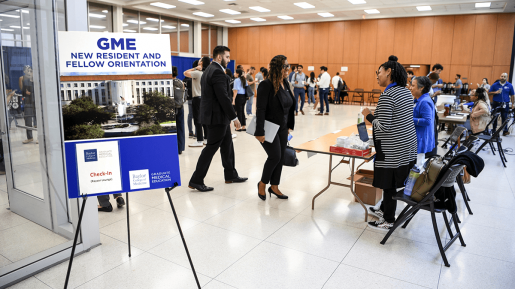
{"x":262,"y":197}
{"x":202,"y":188}
{"x":270,"y":191}
{"x":106,"y":209}
{"x":236,"y":180}
{"x":120,"y":202}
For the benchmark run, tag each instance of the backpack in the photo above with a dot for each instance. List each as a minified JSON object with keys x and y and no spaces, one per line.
{"x":179,"y":93}
{"x":340,"y":84}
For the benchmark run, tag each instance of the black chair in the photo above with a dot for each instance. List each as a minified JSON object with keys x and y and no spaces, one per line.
{"x":454,"y":137}
{"x":494,"y":138}
{"x":360,"y":94}
{"x":446,"y":179}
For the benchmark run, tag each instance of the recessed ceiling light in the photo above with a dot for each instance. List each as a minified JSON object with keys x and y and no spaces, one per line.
{"x":97,"y":27}
{"x":232,"y":21}
{"x":285,"y":17}
{"x":230,"y":11}
{"x":150,"y":28}
{"x":185,"y":25}
{"x":483,"y":4}
{"x":304,"y":5}
{"x":325,"y":14}
{"x":259,"y":9}
{"x":168,"y":27}
{"x":136,"y":22}
{"x":25,"y":11}
{"x":96,"y":15}
{"x":372,"y":11}
{"x":258,"y":19}
{"x":105,"y":11}
{"x":202,"y":14}
{"x":357,"y":2}
{"x":125,"y":24}
{"x":5,"y":29}
{"x":162,"y":5}
{"x":14,"y":26}
{"x":154,"y":19}
{"x":192,"y":2}
{"x":10,"y":16}
{"x":424,"y":8}
{"x":129,"y":30}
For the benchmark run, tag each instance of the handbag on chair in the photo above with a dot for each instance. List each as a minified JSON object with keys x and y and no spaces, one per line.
{"x":427,"y":179}
{"x":290,"y":157}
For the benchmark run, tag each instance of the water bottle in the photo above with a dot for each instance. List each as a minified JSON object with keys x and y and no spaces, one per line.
{"x":360,"y":115}
{"x":410,"y":181}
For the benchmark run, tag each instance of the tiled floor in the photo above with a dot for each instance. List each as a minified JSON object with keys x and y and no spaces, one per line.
{"x":239,"y":241}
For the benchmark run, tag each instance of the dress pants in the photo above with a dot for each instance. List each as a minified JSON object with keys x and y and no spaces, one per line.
{"x":274,"y":163}
{"x":181,"y":134}
{"x":190,"y":116}
{"x":504,"y":113}
{"x":336,"y":96}
{"x":323,"y":98}
{"x":299,"y":91}
{"x":196,"y":119}
{"x":240,"y":101}
{"x":220,"y":137}
{"x":104,"y":199}
{"x":29,"y":115}
{"x":389,"y":205}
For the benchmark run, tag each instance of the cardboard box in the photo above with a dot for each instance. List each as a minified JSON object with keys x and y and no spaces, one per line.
{"x":352,"y":152}
{"x":364,"y":189}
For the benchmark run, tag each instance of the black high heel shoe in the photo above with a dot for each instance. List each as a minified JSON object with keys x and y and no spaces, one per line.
{"x":262,"y":197}
{"x":283,"y":196}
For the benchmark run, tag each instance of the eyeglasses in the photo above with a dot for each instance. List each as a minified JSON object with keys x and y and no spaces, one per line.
{"x":286,"y":66}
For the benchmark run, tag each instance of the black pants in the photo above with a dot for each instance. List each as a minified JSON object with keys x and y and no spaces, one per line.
{"x":240,"y":101}
{"x":274,"y":163}
{"x":504,"y":113}
{"x":220,"y":137}
{"x":196,"y":119}
{"x":104,"y":199}
{"x":389,"y":205}
{"x":29,"y":115}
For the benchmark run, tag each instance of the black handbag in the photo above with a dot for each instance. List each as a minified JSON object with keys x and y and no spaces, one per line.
{"x":290,"y":157}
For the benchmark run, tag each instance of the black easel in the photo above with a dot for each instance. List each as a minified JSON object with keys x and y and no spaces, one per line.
{"x":180,"y":231}
{"x":84,"y":199}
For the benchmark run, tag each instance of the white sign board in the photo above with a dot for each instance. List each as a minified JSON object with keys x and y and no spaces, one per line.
{"x":98,"y":166}
{"x":311,"y":68}
{"x":345,"y":68}
{"x":100,"y":53}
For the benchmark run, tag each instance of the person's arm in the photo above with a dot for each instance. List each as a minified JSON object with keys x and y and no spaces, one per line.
{"x":494,"y":92}
{"x":383,"y":121}
{"x":264,"y":89}
{"x":20,"y":82}
{"x":426,"y":115}
{"x":219,"y":82}
{"x":481,"y":110}
{"x":188,"y":72}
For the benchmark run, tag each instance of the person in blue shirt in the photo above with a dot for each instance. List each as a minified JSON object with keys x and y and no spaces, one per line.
{"x":423,"y":114}
{"x":240,"y":97}
{"x":503,"y":93}
{"x":438,"y":85}
{"x":458,"y":85}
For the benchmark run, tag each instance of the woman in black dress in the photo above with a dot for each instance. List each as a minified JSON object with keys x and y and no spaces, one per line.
{"x":275,"y":103}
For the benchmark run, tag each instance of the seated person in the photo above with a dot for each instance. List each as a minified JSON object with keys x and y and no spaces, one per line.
{"x":480,"y":115}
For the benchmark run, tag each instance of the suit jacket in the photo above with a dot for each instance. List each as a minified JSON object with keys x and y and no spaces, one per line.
{"x":216,"y":105}
{"x":269,"y":107}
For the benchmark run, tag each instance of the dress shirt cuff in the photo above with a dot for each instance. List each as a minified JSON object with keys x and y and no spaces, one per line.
{"x":236,"y":118}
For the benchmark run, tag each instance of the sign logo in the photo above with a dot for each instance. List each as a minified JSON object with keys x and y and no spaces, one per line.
{"x":90,"y":155}
{"x":139,"y":179}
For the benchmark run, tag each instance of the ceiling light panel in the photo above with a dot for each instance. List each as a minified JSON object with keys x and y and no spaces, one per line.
{"x":483,"y":4}
{"x":257,"y":19}
{"x":355,"y":2}
{"x":97,"y":27}
{"x":424,"y":8}
{"x":168,"y":27}
{"x":230,"y":11}
{"x":372,"y":11}
{"x":154,"y":19}
{"x":285,"y":17}
{"x":150,"y":28}
{"x":129,"y":30}
{"x":233,"y":21}
{"x":96,"y":15}
{"x":162,"y":5}
{"x":202,"y":14}
{"x":136,"y":22}
{"x":10,"y":16}
{"x":325,"y":14}
{"x":259,"y":9}
{"x":192,"y":2}
{"x":304,"y":5}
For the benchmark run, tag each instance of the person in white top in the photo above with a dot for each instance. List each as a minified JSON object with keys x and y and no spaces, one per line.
{"x":336,"y":81}
{"x":323,"y":88}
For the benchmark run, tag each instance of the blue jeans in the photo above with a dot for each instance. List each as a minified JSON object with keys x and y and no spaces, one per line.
{"x":190,"y":116}
{"x":336,"y":96}
{"x":504,"y":113}
{"x":249,"y":104}
{"x":181,"y":136}
{"x":324,"y":92}
{"x":311,"y":95}
{"x":296,"y":92}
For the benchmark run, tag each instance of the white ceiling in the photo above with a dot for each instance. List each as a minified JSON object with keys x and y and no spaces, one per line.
{"x":341,"y":9}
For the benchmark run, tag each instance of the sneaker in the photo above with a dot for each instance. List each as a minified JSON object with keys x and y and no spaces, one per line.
{"x":234,"y":135}
{"x":381,"y":225}
{"x":196,"y":144}
{"x":205,"y":142}
{"x":27,"y":141}
{"x":506,"y":133}
{"x":375,"y":212}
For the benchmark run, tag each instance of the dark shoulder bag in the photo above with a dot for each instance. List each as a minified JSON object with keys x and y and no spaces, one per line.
{"x":290,"y":157}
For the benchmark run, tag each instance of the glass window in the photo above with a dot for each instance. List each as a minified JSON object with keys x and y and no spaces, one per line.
{"x":89,"y":84}
{"x":163,"y":90}
{"x":130,"y":21}
{"x":162,"y":83}
{"x":205,"y":39}
{"x":82,"y":93}
{"x":76,"y":93}
{"x":82,"y":85}
{"x":62,"y":94}
{"x":149,"y":23}
{"x":169,"y":26}
{"x":69,"y":94}
{"x":100,"y":18}
{"x":186,"y":38}
{"x":168,"y":82}
{"x":62,"y":85}
{"x":103,"y":93}
{"x":90,"y":93}
{"x":168,"y":91}
{"x":96,"y":84}
{"x":69,"y":85}
{"x":155,"y":83}
{"x":143,"y":83}
{"x":75,"y":85}
{"x":137,"y":83}
{"x":102,"y":84}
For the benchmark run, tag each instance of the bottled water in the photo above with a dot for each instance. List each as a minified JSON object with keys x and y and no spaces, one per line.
{"x":412,"y":178}
{"x":360,"y":115}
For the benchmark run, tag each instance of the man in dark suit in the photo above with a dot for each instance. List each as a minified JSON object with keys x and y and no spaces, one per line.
{"x":217,"y":112}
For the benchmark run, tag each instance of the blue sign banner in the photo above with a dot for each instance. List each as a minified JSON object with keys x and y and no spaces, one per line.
{"x":120,"y":165}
